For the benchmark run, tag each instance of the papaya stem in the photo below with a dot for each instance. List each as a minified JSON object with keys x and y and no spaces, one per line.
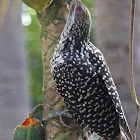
{"x":35,"y":109}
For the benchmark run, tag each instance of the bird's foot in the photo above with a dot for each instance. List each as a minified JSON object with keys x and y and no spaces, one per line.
{"x":60,"y":114}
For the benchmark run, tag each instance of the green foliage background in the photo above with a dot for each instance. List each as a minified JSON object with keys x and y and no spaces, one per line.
{"x":32,"y":42}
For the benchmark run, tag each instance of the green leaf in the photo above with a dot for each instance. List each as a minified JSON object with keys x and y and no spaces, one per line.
{"x":38,"y":5}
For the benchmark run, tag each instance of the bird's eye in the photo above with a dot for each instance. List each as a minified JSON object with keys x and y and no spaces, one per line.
{"x":79,"y":8}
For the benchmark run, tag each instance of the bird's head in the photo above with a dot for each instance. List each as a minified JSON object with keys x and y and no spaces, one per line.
{"x":79,"y":20}
{"x":79,"y":12}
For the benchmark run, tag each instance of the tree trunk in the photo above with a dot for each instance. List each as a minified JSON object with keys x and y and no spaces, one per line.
{"x":52,"y":23}
{"x":14,"y":95}
{"x":113,"y":24}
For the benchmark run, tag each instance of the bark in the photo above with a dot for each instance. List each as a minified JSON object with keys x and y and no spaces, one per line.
{"x":52,"y":23}
{"x":113,"y":21}
{"x":14,"y":94}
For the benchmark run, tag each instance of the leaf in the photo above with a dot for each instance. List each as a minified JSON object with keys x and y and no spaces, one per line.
{"x":38,"y":5}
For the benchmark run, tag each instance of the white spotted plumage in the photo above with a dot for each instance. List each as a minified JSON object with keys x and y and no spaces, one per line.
{"x":84,"y":81}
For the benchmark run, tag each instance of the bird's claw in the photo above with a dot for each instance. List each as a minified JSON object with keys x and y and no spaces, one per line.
{"x":65,"y":113}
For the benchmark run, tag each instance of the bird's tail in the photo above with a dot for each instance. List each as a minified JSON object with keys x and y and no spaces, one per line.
{"x":121,"y":136}
{"x":126,"y":129}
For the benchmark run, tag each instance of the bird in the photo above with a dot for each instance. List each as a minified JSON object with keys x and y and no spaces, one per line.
{"x":84,"y":81}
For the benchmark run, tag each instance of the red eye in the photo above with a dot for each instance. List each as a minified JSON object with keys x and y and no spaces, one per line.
{"x":79,"y":8}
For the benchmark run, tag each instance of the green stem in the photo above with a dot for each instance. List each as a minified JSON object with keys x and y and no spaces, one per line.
{"x":35,"y":109}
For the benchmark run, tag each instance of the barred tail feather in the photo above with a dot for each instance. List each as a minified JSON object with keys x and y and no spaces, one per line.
{"x":126,"y":129}
{"x":121,"y":136}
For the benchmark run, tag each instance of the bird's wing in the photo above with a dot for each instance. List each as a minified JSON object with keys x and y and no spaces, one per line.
{"x":105,"y":74}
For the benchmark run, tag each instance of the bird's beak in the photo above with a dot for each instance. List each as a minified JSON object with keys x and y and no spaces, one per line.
{"x":74,"y":2}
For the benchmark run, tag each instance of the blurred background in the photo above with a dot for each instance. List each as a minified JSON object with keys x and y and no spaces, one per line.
{"x":21,"y":64}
